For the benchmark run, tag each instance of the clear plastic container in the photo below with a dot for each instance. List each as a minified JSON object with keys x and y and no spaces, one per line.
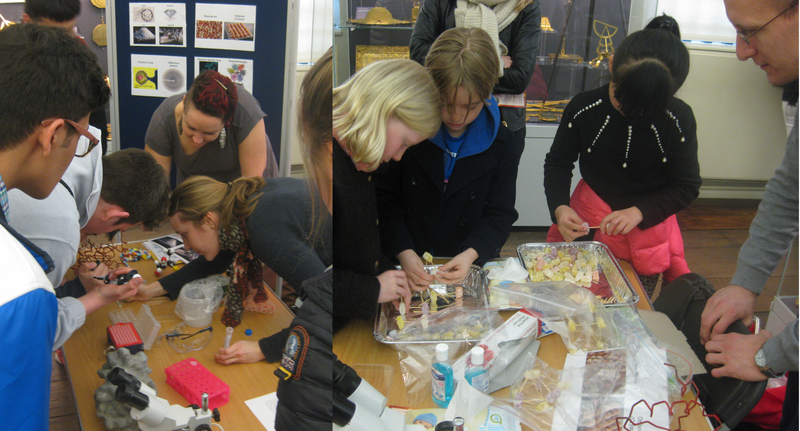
{"x":198,"y":301}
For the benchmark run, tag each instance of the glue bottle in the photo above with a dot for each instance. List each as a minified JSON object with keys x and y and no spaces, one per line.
{"x":442,"y":376}
{"x":476,"y":375}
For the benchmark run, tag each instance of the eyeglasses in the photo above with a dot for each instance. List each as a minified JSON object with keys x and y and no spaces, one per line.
{"x":82,"y":131}
{"x":746,"y":38}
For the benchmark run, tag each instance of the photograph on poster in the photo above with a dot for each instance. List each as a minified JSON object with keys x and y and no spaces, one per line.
{"x":158,"y":24}
{"x":239,"y":31}
{"x":209,"y":29}
{"x":144,"y":36}
{"x":240,"y":71}
{"x":225,"y":26}
{"x":171,"y":35}
{"x":157,"y":75}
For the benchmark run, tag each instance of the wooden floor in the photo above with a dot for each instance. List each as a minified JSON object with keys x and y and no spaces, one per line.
{"x":713,"y":231}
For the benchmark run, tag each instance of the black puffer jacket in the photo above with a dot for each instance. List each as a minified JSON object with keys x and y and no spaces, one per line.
{"x":305,"y":399}
{"x":521,"y":37}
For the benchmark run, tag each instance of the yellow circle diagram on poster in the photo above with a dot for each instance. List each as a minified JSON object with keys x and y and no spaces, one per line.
{"x":145,"y":78}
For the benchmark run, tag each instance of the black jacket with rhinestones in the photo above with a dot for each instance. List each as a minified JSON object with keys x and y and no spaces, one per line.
{"x":652,"y":165}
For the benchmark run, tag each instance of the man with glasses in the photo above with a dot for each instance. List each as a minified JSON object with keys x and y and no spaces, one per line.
{"x":768,"y":34}
{"x":48,"y":77}
{"x":96,"y":195}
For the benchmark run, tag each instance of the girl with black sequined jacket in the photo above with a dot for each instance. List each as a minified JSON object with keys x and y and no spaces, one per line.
{"x":637,"y":148}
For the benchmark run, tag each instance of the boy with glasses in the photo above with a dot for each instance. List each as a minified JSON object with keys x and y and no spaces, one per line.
{"x":768,"y":34}
{"x":48,"y":77}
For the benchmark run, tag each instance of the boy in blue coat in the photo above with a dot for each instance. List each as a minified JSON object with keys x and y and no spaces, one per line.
{"x":51,"y":85}
{"x":453,"y":195}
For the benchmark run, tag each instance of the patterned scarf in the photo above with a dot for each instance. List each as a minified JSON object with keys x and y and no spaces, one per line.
{"x":245,"y":273}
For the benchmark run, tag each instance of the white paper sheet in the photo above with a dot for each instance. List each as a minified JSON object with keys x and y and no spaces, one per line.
{"x":265,"y":407}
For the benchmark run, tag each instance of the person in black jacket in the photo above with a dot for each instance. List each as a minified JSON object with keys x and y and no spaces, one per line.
{"x":305,"y":391}
{"x":381,"y":111}
{"x":453,"y":195}
{"x":516,"y":37}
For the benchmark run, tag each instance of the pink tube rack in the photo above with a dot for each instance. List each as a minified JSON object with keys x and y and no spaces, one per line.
{"x":190,"y":378}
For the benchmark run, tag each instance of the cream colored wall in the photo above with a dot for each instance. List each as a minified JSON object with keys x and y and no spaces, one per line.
{"x":740,"y":129}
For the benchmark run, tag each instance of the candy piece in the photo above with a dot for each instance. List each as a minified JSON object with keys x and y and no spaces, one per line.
{"x":428,"y":258}
{"x":400,"y":322}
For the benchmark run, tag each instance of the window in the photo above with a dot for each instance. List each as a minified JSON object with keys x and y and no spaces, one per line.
{"x":700,"y":20}
{"x":315,"y":32}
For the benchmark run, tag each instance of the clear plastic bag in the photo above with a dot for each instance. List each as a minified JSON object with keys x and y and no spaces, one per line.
{"x":571,"y":311}
{"x":450,"y":324}
{"x":198,"y":301}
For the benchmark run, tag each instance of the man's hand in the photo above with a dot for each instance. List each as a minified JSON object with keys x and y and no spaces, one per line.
{"x":736,"y":353}
{"x":418,"y":279}
{"x":240,"y":352}
{"x":569,"y":224}
{"x":107,"y":293}
{"x":726,"y":306}
{"x":458,"y":267}
{"x":88,"y":271}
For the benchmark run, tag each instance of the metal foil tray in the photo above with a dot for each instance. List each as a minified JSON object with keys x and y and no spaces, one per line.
{"x":474,"y":294}
{"x":613,"y":287}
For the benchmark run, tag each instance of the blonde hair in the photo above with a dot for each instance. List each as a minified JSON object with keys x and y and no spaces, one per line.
{"x":363,"y":105}
{"x":200,"y":195}
{"x":314,"y":121}
{"x":463,"y":57}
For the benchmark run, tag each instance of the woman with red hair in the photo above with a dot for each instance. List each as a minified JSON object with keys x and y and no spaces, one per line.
{"x":214,"y":129}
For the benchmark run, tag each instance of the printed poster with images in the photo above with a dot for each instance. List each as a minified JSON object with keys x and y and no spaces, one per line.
{"x":157,"y":75}
{"x":225,"y":26}
{"x":158,"y":24}
{"x":240,"y":71}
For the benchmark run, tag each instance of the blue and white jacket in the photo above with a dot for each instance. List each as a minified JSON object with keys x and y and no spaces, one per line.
{"x":28,"y":320}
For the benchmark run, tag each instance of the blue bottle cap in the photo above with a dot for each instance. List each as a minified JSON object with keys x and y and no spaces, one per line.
{"x":248,"y":332}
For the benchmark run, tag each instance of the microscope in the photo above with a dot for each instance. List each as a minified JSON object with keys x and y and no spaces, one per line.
{"x":156,"y":414}
{"x":357,"y":406}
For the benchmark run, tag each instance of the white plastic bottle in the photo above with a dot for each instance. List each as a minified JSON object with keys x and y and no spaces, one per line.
{"x":475,"y":374}
{"x":442,"y":376}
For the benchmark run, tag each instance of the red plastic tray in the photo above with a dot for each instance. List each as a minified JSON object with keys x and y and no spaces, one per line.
{"x":190,"y":378}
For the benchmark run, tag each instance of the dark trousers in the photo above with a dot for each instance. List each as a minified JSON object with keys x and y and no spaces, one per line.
{"x":519,"y":141}
{"x":789,"y":417}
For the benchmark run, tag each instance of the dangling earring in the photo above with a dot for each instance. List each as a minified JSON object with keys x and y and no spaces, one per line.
{"x":222,"y":135}
{"x":180,"y":127}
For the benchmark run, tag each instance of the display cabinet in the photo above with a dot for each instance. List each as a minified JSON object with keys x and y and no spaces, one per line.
{"x":576,"y":41}
{"x":371,"y":30}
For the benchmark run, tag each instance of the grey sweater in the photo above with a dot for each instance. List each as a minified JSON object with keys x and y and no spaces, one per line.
{"x":771,"y":235}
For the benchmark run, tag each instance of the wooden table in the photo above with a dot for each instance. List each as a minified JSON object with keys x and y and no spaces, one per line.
{"x":356,"y":344}
{"x":84,"y":356}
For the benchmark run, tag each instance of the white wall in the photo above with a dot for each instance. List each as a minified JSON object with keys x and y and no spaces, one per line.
{"x":740,"y":129}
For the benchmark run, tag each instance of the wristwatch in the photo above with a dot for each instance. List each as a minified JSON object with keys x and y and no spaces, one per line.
{"x":761,"y":362}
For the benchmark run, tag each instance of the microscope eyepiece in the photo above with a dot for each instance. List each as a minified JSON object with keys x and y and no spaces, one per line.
{"x":345,"y":379}
{"x":131,"y":397}
{"x":118,"y":376}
